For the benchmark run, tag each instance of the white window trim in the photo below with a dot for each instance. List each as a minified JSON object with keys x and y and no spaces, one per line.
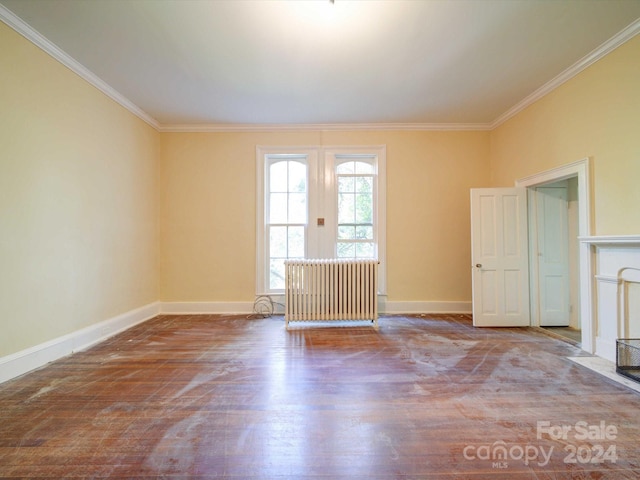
{"x":325,"y":209}
{"x":261,"y":205}
{"x":380,"y":191}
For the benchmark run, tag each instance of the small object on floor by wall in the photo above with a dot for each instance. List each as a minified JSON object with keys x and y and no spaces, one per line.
{"x":263,"y":307}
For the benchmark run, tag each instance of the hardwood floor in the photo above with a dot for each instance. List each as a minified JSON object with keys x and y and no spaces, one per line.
{"x":231,"y":397}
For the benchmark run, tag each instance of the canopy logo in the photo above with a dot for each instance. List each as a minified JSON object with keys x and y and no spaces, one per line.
{"x":500,"y":454}
{"x":594,"y":450}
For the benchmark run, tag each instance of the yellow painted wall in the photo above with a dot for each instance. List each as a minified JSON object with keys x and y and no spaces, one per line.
{"x":596,"y":114}
{"x":100,"y":214}
{"x":208,"y":211}
{"x":78,"y":201}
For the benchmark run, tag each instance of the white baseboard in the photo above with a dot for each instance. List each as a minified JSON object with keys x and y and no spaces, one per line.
{"x":606,"y":349}
{"x":385,"y":307}
{"x":21,"y":362}
{"x":229,"y":308}
{"x":424,"y":307}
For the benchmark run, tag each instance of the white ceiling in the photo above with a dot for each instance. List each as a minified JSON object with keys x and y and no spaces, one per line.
{"x":226,"y":62}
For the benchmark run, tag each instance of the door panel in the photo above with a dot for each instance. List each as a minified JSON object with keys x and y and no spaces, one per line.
{"x":553,"y":255}
{"x":500,"y":257}
{"x":513,"y":287}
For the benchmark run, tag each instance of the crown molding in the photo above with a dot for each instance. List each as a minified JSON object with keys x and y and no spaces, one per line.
{"x":268,"y":127}
{"x":614,"y":42}
{"x":50,"y":48}
{"x":24,"y":29}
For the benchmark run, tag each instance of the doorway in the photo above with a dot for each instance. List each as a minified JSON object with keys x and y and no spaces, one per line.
{"x":554,"y":257}
{"x":578,"y":224}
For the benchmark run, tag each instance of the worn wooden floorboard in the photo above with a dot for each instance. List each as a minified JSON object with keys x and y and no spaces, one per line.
{"x":229,"y":397}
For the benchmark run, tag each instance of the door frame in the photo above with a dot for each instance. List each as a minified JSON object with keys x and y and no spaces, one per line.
{"x":580,"y":169}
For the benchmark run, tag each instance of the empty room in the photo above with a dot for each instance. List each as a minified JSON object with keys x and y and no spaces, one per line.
{"x":320,"y":239}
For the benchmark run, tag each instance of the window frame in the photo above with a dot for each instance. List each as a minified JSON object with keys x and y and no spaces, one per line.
{"x":378,"y":153}
{"x":320,"y":241}
{"x":270,"y":224}
{"x":264,"y":158}
{"x":373,"y":224}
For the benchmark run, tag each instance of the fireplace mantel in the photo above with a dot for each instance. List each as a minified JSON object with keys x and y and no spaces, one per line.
{"x":611,"y":240}
{"x":613,"y":257}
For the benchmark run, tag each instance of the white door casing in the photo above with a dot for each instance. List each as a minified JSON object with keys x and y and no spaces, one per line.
{"x":581,"y":170}
{"x":499,"y":249}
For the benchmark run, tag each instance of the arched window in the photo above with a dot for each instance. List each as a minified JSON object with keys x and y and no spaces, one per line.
{"x":287,"y":214}
{"x":315,"y":202}
{"x":356,"y":205}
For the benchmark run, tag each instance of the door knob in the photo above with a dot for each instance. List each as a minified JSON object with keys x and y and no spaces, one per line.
{"x":478,"y":265}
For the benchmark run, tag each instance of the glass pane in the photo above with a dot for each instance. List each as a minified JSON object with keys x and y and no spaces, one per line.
{"x":346,"y":233}
{"x":346,"y":184}
{"x":276,"y":273}
{"x":278,"y":208}
{"x":364,"y":184}
{"x":345,"y":167}
{"x":364,"y":233}
{"x":346,"y":208}
{"x":278,"y":241}
{"x":364,"y":167}
{"x":364,"y":250}
{"x":297,"y":208}
{"x":278,"y":177}
{"x":296,"y":242}
{"x":346,"y":250}
{"x":297,"y":177}
{"x":364,"y":208}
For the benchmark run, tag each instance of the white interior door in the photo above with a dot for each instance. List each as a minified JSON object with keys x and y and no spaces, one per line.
{"x":499,"y":252}
{"x":553,"y":255}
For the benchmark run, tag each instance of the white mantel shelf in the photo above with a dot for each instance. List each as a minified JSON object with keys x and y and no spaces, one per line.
{"x":611,"y":240}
